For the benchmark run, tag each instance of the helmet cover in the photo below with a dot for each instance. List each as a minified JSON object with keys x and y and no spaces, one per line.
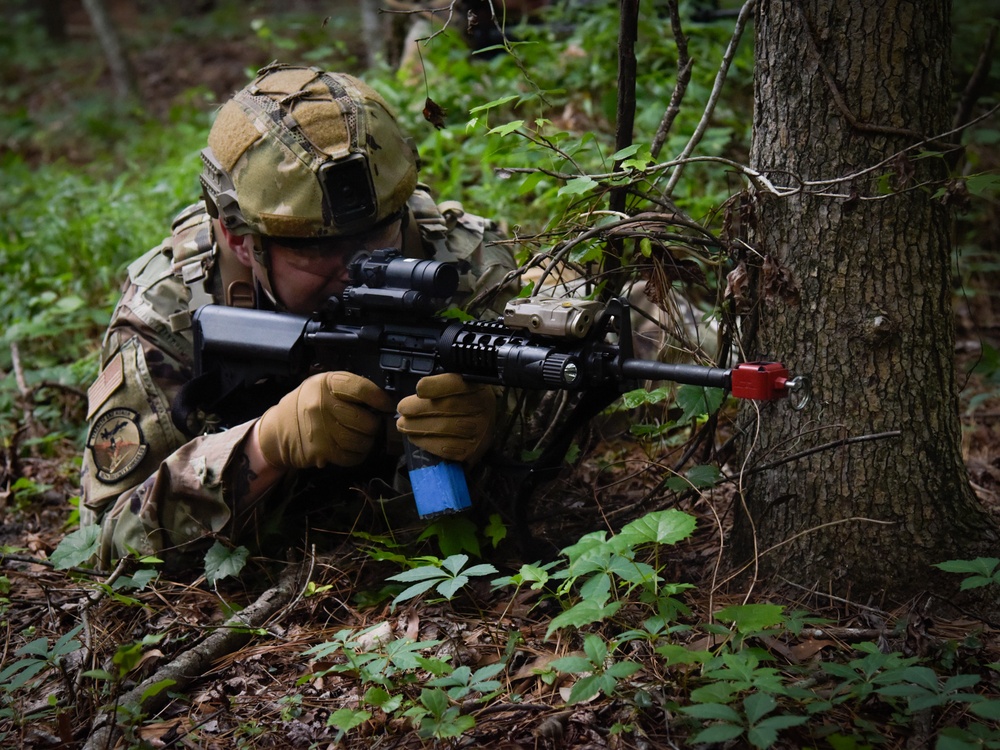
{"x":306,"y":153}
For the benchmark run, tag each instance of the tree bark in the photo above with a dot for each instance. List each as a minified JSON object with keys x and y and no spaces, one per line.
{"x":854,"y":289}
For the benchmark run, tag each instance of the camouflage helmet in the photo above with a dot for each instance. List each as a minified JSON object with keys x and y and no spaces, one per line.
{"x":305,"y":153}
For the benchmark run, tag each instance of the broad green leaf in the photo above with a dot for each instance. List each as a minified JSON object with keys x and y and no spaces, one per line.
{"x":626,"y":152}
{"x":346,"y":719}
{"x":157,"y":687}
{"x":752,"y":618}
{"x":697,"y":401}
{"x":783,"y":722}
{"x":580,"y":614}
{"x":455,"y":563}
{"x":37,"y":647}
{"x":713,"y":711}
{"x":423,"y":573}
{"x":676,"y":654}
{"x":496,"y":530}
{"x":484,"y":569}
{"x":983,"y":185}
{"x":572,"y":664}
{"x":717,"y":733}
{"x":448,"y":588}
{"x":989,"y":710}
{"x":596,"y":649}
{"x":436,"y":701}
{"x":77,"y":548}
{"x":222,"y":562}
{"x":585,"y":688}
{"x":640,"y":397}
{"x":493,"y":104}
{"x":984,"y":566}
{"x":758,"y":705}
{"x":504,"y":130}
{"x":413,"y":591}
{"x":661,"y":527}
{"x":578,"y":186}
{"x":622,"y":669}
{"x":705,"y":475}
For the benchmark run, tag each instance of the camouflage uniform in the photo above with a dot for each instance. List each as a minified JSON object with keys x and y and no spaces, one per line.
{"x":153,"y":487}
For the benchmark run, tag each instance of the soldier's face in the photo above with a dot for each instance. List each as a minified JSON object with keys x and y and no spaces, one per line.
{"x":305,"y":278}
{"x":304,"y":274}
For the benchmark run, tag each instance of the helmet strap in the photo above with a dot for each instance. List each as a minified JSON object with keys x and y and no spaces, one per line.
{"x":265,"y":286}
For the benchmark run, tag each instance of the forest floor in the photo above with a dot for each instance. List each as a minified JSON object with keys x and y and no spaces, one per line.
{"x":262,"y":691}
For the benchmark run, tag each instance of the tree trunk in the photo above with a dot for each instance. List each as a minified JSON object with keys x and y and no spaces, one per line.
{"x":121,"y":70}
{"x":854,"y":289}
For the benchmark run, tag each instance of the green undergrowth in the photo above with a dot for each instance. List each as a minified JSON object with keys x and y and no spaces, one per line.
{"x":600,"y":628}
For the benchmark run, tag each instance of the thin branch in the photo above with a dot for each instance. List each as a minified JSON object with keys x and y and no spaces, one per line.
{"x":745,"y":13}
{"x":979,"y":76}
{"x":825,"y":447}
{"x":684,"y":67}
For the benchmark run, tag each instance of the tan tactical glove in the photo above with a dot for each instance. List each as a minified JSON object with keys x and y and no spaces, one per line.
{"x":331,"y":418}
{"x":449,"y":417}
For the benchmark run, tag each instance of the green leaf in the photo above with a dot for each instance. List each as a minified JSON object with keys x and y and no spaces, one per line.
{"x":572,"y":664}
{"x":484,"y":569}
{"x":989,"y":710}
{"x":783,"y":722}
{"x":77,"y":548}
{"x":496,"y":530}
{"x":413,"y":591}
{"x":578,"y":186}
{"x":504,"y":130}
{"x":984,"y":566}
{"x":436,"y":701}
{"x":448,"y":588}
{"x":704,"y":475}
{"x":661,"y":527}
{"x":423,"y":573}
{"x":983,"y":185}
{"x":697,"y":401}
{"x":752,"y":618}
{"x":582,"y":613}
{"x":493,"y":104}
{"x":713,"y":711}
{"x":346,"y":719}
{"x":596,"y":649}
{"x":762,"y":737}
{"x":623,"y":669}
{"x":157,"y":687}
{"x":640,"y":397}
{"x":758,"y":705}
{"x":626,"y":152}
{"x":676,"y":654}
{"x":455,"y":563}
{"x":222,"y":562}
{"x":585,"y":688}
{"x":717,"y":733}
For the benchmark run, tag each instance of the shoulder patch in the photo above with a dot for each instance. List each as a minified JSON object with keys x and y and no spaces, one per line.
{"x":116,"y":444}
{"x":107,"y":383}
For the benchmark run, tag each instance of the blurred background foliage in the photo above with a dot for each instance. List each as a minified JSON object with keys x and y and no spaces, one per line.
{"x":92,"y":178}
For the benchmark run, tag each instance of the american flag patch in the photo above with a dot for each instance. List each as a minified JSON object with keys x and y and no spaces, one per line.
{"x":107,"y":383}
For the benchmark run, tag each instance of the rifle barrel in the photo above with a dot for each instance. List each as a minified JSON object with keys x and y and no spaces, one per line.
{"x":644,"y":369}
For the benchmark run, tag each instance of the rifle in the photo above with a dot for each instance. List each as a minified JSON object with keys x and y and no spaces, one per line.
{"x":384,"y":327}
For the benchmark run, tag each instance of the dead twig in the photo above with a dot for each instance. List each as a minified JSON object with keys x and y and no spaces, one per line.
{"x":236,"y":632}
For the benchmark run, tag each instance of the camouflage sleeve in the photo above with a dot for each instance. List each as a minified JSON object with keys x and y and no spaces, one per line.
{"x":150,"y":489}
{"x":479,"y":245}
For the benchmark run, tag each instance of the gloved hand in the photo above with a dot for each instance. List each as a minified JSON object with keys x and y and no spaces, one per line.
{"x":449,"y":417}
{"x":331,"y":418}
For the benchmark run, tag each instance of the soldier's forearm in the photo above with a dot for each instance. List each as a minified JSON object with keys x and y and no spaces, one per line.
{"x":250,"y":477}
